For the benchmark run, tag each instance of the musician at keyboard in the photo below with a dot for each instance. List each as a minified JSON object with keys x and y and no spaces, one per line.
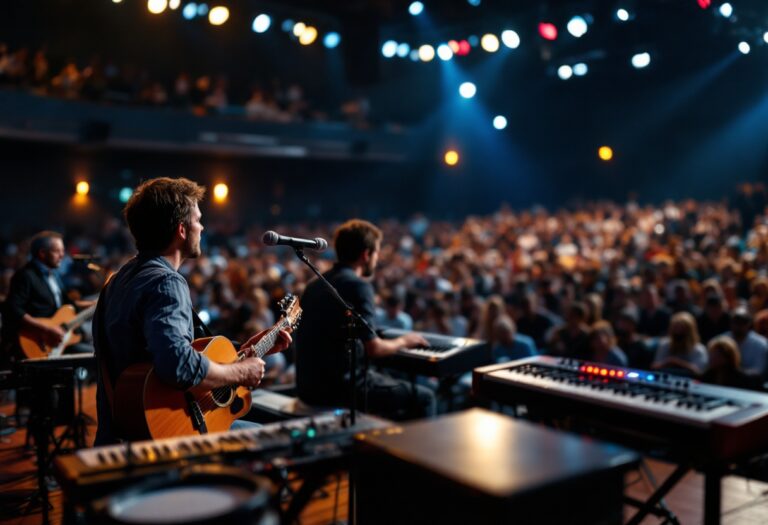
{"x":321,"y":363}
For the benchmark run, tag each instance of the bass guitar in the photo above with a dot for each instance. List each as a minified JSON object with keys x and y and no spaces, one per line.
{"x":147,"y":408}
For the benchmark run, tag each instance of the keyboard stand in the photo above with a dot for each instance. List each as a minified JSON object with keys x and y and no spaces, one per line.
{"x":655,"y":503}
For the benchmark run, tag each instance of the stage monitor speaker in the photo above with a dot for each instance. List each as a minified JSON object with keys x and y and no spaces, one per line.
{"x":361,"y":49}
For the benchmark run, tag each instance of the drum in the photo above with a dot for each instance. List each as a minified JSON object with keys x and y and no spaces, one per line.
{"x":199,"y":495}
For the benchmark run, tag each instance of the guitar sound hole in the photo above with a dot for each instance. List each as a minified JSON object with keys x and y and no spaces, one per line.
{"x":223,"y":396}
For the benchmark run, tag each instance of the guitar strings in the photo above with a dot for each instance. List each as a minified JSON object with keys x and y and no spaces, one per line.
{"x":269,"y":337}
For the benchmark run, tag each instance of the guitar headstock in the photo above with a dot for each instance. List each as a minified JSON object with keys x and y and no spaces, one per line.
{"x":289,"y":305}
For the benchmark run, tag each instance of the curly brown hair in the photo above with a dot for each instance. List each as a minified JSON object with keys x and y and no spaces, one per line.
{"x":156,"y":209}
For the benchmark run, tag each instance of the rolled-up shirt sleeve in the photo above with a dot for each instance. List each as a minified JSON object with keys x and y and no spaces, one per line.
{"x":168,"y":332}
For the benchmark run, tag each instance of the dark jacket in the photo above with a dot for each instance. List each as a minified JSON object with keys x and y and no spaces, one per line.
{"x":28,"y":294}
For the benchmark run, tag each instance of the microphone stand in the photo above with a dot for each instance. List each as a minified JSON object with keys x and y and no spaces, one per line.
{"x":353,"y":321}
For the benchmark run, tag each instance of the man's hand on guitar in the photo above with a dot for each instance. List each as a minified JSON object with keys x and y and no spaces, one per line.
{"x":283,"y":341}
{"x":52,"y":335}
{"x":253,"y":370}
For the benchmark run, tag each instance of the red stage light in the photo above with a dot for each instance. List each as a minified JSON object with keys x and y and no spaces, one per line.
{"x":548,"y":31}
{"x":464,"y":48}
{"x":704,"y":3}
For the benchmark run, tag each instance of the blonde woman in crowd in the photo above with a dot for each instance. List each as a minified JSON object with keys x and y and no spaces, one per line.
{"x":681,"y":351}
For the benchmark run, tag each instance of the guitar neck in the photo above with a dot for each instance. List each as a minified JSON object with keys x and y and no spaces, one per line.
{"x":81,"y":318}
{"x":264,"y":345}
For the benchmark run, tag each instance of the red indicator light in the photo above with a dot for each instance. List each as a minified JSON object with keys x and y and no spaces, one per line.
{"x":612,"y":373}
{"x":603,"y":372}
{"x":704,"y":3}
{"x":547,"y":31}
{"x":620,"y":374}
{"x":589,"y":369}
{"x":464,"y":48}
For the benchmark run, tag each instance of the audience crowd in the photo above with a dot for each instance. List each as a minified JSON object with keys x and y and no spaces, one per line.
{"x":681,"y":287}
{"x":107,"y":82}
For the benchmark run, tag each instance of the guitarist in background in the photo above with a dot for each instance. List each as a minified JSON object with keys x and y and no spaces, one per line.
{"x":36,"y":291}
{"x":145,"y":311}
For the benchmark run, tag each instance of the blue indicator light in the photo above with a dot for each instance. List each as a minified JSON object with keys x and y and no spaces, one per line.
{"x":650,"y":377}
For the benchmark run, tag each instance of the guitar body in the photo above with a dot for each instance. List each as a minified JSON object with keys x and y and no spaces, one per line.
{"x":147,"y":408}
{"x":33,"y":347}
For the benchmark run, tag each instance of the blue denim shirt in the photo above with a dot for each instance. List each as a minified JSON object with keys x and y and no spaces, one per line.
{"x":146,"y":315}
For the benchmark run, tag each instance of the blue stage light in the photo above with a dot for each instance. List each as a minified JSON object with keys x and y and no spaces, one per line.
{"x":261,"y":23}
{"x":416,"y":8}
{"x":467,"y":90}
{"x":190,"y":11}
{"x":389,"y":48}
{"x":331,"y":40}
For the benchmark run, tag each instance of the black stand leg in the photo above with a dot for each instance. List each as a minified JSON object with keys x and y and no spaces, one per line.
{"x":712,"y":496}
{"x":650,"y":505}
{"x":352,"y":356}
{"x":41,"y":427}
{"x":302,"y":496}
{"x":354,"y":321}
{"x":352,"y":502}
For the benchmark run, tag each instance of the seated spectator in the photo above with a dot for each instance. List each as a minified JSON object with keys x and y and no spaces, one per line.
{"x":725,"y":366}
{"x":532,"y":322}
{"x":392,"y":314}
{"x":67,"y":82}
{"x":654,"y":316}
{"x":494,"y":308}
{"x":5,"y":60}
{"x":509,"y":344}
{"x":182,"y":88}
{"x":714,"y":320}
{"x":594,"y":308}
{"x":752,"y":346}
{"x":638,"y":352}
{"x":681,"y":352}
{"x":572,"y":339}
{"x":438,"y":319}
{"x":602,"y":346}
{"x":217,"y":100}
{"x":258,"y":108}
{"x":761,"y":323}
{"x":758,"y":299}
{"x":682,"y":300}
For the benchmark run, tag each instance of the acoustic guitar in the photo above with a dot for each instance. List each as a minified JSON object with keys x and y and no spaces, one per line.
{"x":147,"y":408}
{"x":34,"y":347}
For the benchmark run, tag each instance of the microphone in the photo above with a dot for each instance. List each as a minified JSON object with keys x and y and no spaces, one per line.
{"x":271,"y":238}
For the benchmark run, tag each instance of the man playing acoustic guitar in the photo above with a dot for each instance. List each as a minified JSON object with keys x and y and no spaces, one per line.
{"x":36,"y":293}
{"x":145,"y":312}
